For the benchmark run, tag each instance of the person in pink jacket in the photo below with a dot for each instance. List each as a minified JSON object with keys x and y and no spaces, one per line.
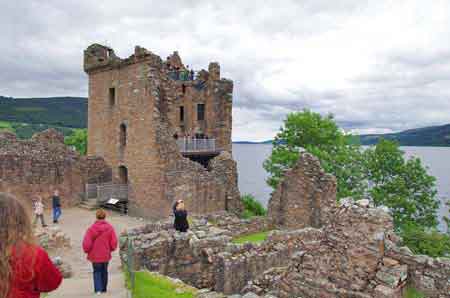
{"x":99,"y":242}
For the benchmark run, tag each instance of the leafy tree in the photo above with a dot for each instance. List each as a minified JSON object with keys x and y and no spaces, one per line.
{"x":78,"y":139}
{"x":402,"y":185}
{"x":381,"y":172}
{"x":321,"y":136}
{"x":426,"y":242}
{"x":252,"y":207}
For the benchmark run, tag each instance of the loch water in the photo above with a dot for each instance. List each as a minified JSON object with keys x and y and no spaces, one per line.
{"x":252,"y":176}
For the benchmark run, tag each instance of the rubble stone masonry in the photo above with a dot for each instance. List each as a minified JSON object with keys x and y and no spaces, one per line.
{"x":43,"y":163}
{"x":350,"y":250}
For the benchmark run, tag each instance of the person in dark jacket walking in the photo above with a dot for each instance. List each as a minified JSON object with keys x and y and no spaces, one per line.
{"x":26,"y":270}
{"x":181,"y":223}
{"x":99,"y":242}
{"x":56,"y":204}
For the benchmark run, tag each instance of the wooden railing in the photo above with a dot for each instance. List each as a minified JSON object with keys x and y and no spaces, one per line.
{"x":187,"y":145}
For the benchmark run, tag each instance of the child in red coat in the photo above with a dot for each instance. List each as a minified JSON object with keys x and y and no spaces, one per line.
{"x":25,"y":268}
{"x":100,"y":240}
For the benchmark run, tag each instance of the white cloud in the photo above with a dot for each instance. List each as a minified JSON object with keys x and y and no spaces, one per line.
{"x":379,"y":66}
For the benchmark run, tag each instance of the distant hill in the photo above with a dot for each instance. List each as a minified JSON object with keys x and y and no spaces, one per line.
{"x":26,"y":116}
{"x":58,"y":111}
{"x":425,"y":136}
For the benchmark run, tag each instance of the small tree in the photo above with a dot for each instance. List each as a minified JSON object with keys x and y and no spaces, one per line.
{"x":78,"y":139}
{"x":402,"y":185}
{"x":321,"y":136}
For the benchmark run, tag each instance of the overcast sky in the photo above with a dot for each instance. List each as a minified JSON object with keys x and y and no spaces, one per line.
{"x":378,"y":66}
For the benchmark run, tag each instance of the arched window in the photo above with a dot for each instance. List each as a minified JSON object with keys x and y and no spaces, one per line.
{"x":123,"y":135}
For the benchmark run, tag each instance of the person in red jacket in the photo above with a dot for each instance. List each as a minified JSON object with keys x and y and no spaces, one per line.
{"x":100,"y":240}
{"x":26,"y":270}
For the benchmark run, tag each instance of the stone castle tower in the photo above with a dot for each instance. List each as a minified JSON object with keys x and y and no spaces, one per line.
{"x":165,"y":130}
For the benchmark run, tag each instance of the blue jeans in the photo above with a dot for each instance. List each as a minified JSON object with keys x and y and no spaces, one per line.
{"x":100,"y":277}
{"x":56,"y":213}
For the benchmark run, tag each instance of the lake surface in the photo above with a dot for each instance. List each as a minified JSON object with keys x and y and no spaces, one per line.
{"x":252,"y":176}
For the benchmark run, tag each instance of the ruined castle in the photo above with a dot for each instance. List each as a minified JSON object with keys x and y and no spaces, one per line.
{"x":164,"y":129}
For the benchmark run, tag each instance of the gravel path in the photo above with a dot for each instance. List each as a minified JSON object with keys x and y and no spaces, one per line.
{"x":74,"y":222}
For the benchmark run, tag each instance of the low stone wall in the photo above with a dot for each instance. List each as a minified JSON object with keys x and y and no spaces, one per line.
{"x":429,"y":275}
{"x":242,"y":263}
{"x":205,"y":257}
{"x":237,"y":226}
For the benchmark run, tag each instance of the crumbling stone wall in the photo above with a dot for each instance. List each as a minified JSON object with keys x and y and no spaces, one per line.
{"x":145,"y":102}
{"x":358,"y":255}
{"x":304,"y":197}
{"x":429,"y":275}
{"x":43,"y":163}
{"x":206,"y":258}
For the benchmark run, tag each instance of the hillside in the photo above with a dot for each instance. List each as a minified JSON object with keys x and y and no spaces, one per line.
{"x":58,"y":111}
{"x":425,"y":136}
{"x":25,"y":116}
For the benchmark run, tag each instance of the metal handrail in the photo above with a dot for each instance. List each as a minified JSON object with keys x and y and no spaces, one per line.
{"x":196,"y":145}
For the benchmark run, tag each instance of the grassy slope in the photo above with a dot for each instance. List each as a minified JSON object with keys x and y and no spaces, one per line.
{"x":148,"y":285}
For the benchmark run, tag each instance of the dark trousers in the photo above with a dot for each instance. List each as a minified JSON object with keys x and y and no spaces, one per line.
{"x":100,"y":276}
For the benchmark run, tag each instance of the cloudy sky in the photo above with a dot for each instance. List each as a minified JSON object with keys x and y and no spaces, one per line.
{"x":378,"y":66}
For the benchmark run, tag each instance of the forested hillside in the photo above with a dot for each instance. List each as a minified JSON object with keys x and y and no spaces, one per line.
{"x":426,"y":136}
{"x":26,"y":116}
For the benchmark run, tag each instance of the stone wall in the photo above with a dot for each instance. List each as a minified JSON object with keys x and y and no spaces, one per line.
{"x":357,"y":255}
{"x":43,"y":163}
{"x":137,"y":97}
{"x":304,"y":197}
{"x":206,"y":258}
{"x":238,"y":226}
{"x":429,"y":275}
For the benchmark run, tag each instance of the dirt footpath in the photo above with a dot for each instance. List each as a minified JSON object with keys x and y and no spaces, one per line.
{"x":74,"y":222}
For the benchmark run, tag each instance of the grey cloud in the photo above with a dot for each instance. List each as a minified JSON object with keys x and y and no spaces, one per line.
{"x":329,"y":56}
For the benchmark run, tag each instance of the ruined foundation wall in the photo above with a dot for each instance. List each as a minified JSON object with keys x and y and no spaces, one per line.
{"x":206,"y":258}
{"x":43,"y":163}
{"x":304,"y":197}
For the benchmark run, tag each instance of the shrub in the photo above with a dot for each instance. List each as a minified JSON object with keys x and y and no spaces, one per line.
{"x":426,"y":242}
{"x":252,"y":207}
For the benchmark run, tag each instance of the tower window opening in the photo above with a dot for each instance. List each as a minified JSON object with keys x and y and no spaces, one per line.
{"x":201,"y":112}
{"x":123,"y":135}
{"x":112,"y":96}
{"x":181,"y":114}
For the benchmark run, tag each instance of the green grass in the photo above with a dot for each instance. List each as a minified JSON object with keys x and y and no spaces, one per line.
{"x":252,"y":238}
{"x":149,"y":285}
{"x":413,"y":293}
{"x":4,"y":125}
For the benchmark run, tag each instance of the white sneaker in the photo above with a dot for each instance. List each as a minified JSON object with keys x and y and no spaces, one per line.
{"x":98,"y":293}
